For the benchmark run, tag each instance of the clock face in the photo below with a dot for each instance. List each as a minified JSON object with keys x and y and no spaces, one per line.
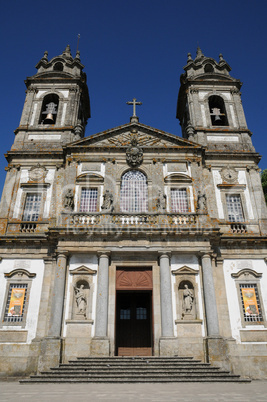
{"x":37,"y":174}
{"x":229,"y":175}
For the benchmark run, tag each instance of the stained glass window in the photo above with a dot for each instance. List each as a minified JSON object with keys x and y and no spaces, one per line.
{"x":15,"y":305}
{"x":250,"y":302}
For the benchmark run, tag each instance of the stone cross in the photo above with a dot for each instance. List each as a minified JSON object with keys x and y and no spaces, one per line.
{"x":134,"y":103}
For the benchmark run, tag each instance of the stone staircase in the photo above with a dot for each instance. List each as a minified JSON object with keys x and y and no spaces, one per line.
{"x":134,"y":369}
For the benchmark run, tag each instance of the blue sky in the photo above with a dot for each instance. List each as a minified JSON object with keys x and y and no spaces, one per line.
{"x":134,"y":49}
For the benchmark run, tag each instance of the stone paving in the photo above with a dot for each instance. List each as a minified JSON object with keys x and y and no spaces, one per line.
{"x":230,"y":392}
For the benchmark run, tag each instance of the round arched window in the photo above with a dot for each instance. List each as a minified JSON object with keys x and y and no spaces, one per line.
{"x":133,"y":196}
{"x":58,"y":66}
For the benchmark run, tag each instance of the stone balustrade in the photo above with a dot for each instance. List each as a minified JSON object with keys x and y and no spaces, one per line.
{"x":124,"y":220}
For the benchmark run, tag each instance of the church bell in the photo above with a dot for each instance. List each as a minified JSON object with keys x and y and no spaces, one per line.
{"x":49,"y":119}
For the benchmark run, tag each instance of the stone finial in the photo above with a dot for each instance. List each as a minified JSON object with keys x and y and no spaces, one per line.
{"x":45,"y":55}
{"x":67,"y":53}
{"x":221,"y":57}
{"x":77,"y":57}
{"x":189,"y":57}
{"x":200,"y":55}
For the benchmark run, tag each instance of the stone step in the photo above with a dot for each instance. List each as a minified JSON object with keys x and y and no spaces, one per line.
{"x":123,"y":370}
{"x":130,"y":371}
{"x":126,"y":358}
{"x":157,"y":361}
{"x":134,"y":375}
{"x":137,"y":366}
{"x":134,"y":380}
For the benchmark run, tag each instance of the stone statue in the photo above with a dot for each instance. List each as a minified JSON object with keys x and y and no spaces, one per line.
{"x":188,"y":299}
{"x":107,"y":202}
{"x":201,"y":202}
{"x":81,"y":299}
{"x":161,"y":202}
{"x":69,"y":200}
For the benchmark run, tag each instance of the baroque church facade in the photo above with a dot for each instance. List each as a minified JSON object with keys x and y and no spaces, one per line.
{"x":133,"y":241}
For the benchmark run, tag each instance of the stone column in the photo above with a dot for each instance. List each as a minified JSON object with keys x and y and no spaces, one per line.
{"x":48,"y":349}
{"x":168,"y":344}
{"x":210,"y":298}
{"x":165,"y":296}
{"x":58,"y":296}
{"x":100,"y":343}
{"x":101,"y":324}
{"x":217,"y":348}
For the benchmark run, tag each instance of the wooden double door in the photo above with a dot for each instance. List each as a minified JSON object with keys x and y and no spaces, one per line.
{"x":134,"y":323}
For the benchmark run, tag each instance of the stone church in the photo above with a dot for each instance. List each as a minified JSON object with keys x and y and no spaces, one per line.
{"x":133,"y":241}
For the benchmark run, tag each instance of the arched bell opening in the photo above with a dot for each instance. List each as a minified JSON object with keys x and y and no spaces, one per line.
{"x":49,"y":109}
{"x":217,"y":111}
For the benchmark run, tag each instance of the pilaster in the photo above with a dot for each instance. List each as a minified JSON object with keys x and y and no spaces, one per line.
{"x":168,"y":344}
{"x":100,"y":345}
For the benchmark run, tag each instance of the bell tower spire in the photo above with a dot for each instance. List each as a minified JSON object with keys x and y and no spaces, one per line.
{"x":209,"y":105}
{"x":57,"y":103}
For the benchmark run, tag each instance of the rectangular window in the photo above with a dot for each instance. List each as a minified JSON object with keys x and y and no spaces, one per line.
{"x":141,"y":313}
{"x":32,"y":207}
{"x":179,"y":200}
{"x":125,"y":314}
{"x":234,"y":208}
{"x":89,"y":200}
{"x":250,"y":302}
{"x":15,"y":305}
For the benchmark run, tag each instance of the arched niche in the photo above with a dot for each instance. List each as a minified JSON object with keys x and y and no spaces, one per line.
{"x":81,"y":293}
{"x":187,"y":302}
{"x":186,"y":293}
{"x":80,"y":302}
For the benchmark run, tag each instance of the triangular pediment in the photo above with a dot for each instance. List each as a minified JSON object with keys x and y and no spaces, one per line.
{"x":83,"y":270}
{"x":121,"y":136}
{"x":185,"y":271}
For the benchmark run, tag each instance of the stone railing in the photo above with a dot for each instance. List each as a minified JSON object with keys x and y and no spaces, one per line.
{"x":123,"y":220}
{"x":28,"y":227}
{"x":21,"y":227}
{"x":238,"y":228}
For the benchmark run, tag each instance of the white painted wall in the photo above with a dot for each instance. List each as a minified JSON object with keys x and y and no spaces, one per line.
{"x":218,"y":180}
{"x":243,"y":180}
{"x":33,"y":266}
{"x":204,"y":120}
{"x":231,"y":266}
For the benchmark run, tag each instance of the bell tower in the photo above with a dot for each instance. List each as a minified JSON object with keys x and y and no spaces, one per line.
{"x":209,"y":105}
{"x":57,"y":104}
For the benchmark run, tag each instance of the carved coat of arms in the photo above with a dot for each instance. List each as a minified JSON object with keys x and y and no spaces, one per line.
{"x":134,"y":154}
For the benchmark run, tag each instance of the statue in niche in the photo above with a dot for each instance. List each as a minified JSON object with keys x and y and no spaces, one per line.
{"x":69,"y":200}
{"x":107,"y":202}
{"x":161,"y":202}
{"x":188,"y":299}
{"x":81,"y":299}
{"x":201,"y":202}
